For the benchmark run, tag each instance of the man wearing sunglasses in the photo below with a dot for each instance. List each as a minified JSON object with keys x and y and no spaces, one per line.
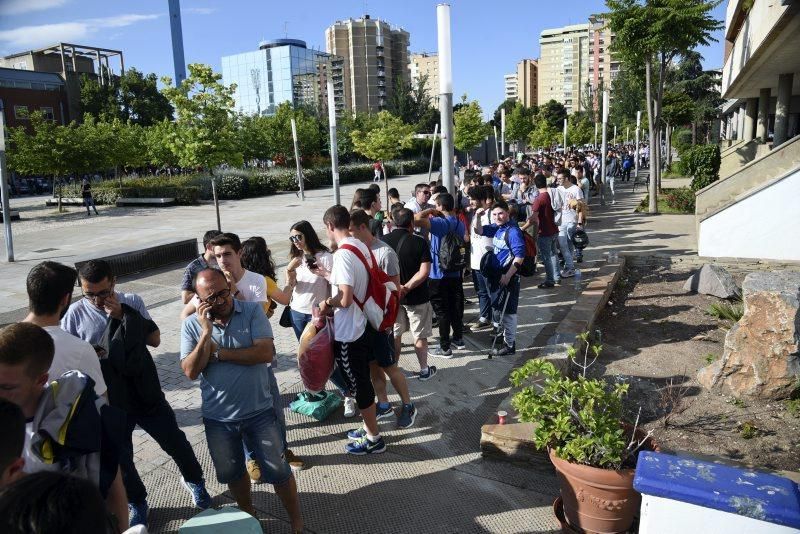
{"x":119,"y":327}
{"x":420,"y":202}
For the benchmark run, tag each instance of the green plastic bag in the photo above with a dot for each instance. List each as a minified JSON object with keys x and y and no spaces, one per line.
{"x":318,"y":406}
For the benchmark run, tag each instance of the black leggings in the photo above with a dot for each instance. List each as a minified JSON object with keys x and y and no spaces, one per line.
{"x":353,"y":359}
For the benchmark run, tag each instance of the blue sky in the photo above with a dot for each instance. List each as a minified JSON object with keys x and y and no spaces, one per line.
{"x":489,"y":37}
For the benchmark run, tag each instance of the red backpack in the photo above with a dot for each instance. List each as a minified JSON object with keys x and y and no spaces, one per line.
{"x":382,"y":300}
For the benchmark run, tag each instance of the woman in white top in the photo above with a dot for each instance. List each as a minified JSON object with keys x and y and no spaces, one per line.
{"x":309,"y":268}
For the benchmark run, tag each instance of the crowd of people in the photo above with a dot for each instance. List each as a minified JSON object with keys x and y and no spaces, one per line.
{"x":76,"y":378}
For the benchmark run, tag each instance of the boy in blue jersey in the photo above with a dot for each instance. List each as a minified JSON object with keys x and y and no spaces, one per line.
{"x":509,"y":249}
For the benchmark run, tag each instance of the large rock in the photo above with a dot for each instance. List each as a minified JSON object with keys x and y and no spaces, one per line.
{"x":713,"y":280}
{"x":761,"y":358}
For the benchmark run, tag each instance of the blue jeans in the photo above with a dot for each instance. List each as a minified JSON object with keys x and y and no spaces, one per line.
{"x":565,"y":234}
{"x":549,"y":257}
{"x":299,"y":322}
{"x":261,"y":434}
{"x":482,"y":289}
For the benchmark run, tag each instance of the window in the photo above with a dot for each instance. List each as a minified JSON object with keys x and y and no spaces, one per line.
{"x":47,"y":113}
{"x":21,"y":112}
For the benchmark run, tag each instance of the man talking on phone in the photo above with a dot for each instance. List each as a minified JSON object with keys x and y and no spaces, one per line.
{"x":120,"y":328}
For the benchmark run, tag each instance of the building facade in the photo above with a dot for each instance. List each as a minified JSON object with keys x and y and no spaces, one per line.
{"x":70,"y":62}
{"x":528,"y":82}
{"x":23,"y":92}
{"x":375,"y":58}
{"x":424,"y":64}
{"x":283,"y":70}
{"x":510,"y":86}
{"x":576,"y":63}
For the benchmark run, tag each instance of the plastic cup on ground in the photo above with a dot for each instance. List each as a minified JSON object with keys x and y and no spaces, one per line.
{"x":501,"y":417}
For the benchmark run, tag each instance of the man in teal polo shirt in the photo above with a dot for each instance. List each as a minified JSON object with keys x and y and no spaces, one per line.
{"x":228,"y":344}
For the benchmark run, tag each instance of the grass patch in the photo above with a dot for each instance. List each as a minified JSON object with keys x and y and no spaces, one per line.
{"x":710,"y":358}
{"x":663,"y":205}
{"x":793,"y":407}
{"x":727,"y":311}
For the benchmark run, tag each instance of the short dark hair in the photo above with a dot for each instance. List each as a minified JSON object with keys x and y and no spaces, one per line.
{"x":13,"y":424}
{"x":439,"y":189}
{"x":227,"y":238}
{"x":374,"y":187}
{"x":208,"y":236}
{"x":477,"y":193}
{"x":338,"y":216}
{"x":420,"y":187}
{"x":27,"y":344}
{"x":393,"y":192}
{"x":446,"y":201}
{"x":53,"y":502}
{"x":367,"y":198}
{"x":403,"y":217}
{"x":573,"y":179}
{"x":359,"y":217}
{"x":563,"y":171}
{"x":95,"y":271}
{"x":47,"y":284}
{"x":540,"y":180}
{"x":502,"y":204}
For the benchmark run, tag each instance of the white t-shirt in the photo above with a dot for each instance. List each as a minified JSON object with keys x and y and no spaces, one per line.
{"x":253,"y":287}
{"x":350,"y":323}
{"x":569,"y":215}
{"x":311,"y":289}
{"x":478,"y":243}
{"x":386,"y":257}
{"x":73,"y":353}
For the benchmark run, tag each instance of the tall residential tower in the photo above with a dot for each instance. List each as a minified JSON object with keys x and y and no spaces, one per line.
{"x":375,"y":57}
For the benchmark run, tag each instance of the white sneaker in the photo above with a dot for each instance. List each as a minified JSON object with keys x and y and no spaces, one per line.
{"x":349,"y":407}
{"x":567,"y":273}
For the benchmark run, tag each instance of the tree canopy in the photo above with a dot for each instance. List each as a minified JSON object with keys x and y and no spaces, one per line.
{"x":469,"y":128}
{"x":382,"y":137}
{"x":133,"y":96}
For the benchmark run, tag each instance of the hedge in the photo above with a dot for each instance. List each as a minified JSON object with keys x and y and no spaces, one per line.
{"x":236,"y":184}
{"x":681,"y":199}
{"x":702,"y":163}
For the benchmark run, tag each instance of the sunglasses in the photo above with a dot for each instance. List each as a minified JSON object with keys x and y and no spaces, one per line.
{"x":428,"y":193}
{"x":100,"y":295}
{"x":296,"y":238}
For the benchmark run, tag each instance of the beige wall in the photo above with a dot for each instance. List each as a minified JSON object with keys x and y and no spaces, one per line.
{"x":528,"y":82}
{"x":426,"y":65}
{"x":563,"y":65}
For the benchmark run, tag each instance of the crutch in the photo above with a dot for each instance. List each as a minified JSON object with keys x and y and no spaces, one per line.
{"x":502,"y":316}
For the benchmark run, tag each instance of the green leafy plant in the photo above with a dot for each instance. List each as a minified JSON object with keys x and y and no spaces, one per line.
{"x":710,"y":358}
{"x":580,"y":419}
{"x":681,"y":199}
{"x":793,"y":407}
{"x":727,"y":311}
{"x":702,"y":163}
{"x":749,"y":430}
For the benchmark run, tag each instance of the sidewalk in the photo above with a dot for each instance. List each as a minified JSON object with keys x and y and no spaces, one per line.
{"x":432,"y":477}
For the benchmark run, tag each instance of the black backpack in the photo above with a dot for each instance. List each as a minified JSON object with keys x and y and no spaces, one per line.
{"x":452,"y":251}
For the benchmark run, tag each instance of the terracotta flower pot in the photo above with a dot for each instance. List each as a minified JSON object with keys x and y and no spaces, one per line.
{"x":597,"y":500}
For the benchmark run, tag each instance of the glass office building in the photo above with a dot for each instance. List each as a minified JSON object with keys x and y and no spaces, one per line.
{"x":283,"y":70}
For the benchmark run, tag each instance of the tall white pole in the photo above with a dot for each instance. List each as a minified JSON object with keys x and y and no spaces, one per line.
{"x":503,"y":130}
{"x":297,"y":160}
{"x":595,"y":135}
{"x":496,"y":144}
{"x":445,"y":94}
{"x":334,"y":144}
{"x":4,"y":189}
{"x":636,"y":154}
{"x":615,"y":134}
{"x":604,"y":150}
{"x":433,"y":149}
{"x":565,"y":137}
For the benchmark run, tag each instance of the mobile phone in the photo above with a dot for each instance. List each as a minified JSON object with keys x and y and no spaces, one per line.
{"x":311,"y":261}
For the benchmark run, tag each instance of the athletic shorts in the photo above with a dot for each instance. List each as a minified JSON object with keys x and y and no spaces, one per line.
{"x":383,"y":349}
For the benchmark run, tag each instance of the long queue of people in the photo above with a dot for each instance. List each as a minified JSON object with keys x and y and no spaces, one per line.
{"x":94,"y":353}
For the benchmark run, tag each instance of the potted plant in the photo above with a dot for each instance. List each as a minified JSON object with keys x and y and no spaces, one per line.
{"x":580,"y":422}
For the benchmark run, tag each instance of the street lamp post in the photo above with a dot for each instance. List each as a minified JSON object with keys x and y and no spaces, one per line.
{"x":636,"y":154}
{"x":334,"y":142}
{"x":445,"y":94}
{"x":4,"y":188}
{"x":503,"y":130}
{"x":565,"y":137}
{"x":604,"y":150}
{"x":297,"y":160}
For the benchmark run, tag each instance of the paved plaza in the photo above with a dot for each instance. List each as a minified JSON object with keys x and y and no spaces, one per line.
{"x":432,"y":477}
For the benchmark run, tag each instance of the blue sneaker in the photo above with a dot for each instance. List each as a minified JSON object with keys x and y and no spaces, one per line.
{"x":407,"y":416}
{"x":365,"y":446}
{"x":137,"y":513}
{"x":198,"y":492}
{"x":383,"y":412}
{"x":357,"y":434}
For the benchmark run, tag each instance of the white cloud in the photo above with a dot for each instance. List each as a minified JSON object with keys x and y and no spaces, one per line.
{"x":198,"y":10}
{"x":16,"y":7}
{"x":28,"y":37}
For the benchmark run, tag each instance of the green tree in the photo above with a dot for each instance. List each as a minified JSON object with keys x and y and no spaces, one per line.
{"x":278,"y":132}
{"x":508,"y":104}
{"x":653,"y":34}
{"x":204,"y":135}
{"x":580,"y":128}
{"x":519,"y":123}
{"x":627,"y":90}
{"x":544,"y":135}
{"x":140,"y":100}
{"x":553,"y":113}
{"x":412,"y":104}
{"x":157,"y":141}
{"x":703,"y":88}
{"x":99,"y":100}
{"x":469,"y":129}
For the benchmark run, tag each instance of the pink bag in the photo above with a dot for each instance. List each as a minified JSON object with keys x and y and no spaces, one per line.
{"x":315,"y":354}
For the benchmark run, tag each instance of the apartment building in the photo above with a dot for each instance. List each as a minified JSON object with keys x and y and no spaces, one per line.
{"x":375,"y":57}
{"x":528,"y":82}
{"x":510,"y":81}
{"x":424,"y":64}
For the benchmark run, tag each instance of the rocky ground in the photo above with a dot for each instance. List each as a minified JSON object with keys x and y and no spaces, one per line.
{"x":656,"y":337}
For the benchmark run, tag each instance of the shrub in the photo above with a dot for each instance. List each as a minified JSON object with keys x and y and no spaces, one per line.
{"x":727,"y":311}
{"x":682,"y":140}
{"x":232,"y":187}
{"x":681,"y":199}
{"x":702,"y":164}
